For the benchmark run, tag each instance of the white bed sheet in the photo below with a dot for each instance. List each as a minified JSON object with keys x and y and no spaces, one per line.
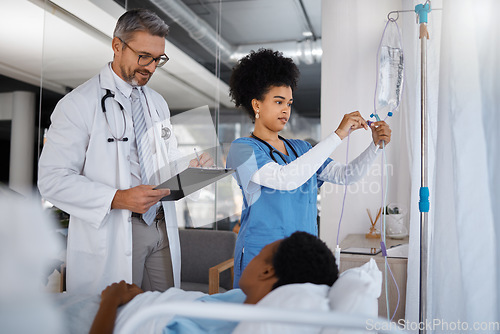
{"x":354,"y":294}
{"x":79,"y":310}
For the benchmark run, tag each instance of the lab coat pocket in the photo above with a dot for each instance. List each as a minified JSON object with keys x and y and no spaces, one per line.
{"x":87,"y":239}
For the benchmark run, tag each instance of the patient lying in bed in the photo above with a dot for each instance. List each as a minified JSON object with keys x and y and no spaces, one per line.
{"x":300,"y":258}
{"x":27,"y":240}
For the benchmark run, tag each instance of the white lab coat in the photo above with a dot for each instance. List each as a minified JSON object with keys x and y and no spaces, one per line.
{"x":80,"y":171}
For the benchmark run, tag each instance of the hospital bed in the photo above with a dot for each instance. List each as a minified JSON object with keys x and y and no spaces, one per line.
{"x":264,"y":319}
{"x":349,"y":306}
{"x":350,"y":303}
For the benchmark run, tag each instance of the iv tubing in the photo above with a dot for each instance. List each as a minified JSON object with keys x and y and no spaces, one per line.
{"x":384,"y":213}
{"x":345,"y":187}
{"x":387,"y":266}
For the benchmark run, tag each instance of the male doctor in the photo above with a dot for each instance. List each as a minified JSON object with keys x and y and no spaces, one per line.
{"x":109,"y":143}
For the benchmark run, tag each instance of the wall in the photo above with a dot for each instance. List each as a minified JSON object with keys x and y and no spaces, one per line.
{"x":351,"y":34}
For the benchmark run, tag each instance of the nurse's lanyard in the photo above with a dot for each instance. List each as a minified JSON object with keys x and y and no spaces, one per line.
{"x":272,"y":150}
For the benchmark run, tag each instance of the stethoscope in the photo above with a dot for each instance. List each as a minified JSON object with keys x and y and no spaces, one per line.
{"x":165,"y":131}
{"x":103,"y":106}
{"x":272,"y":150}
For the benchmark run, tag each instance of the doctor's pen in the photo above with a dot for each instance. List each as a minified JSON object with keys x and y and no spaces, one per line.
{"x":197,"y":156}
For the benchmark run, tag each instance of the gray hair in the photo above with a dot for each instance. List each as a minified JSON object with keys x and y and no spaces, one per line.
{"x":139,"y":20}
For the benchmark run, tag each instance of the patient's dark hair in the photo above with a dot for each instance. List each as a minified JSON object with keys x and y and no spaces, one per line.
{"x":303,"y":258}
{"x":256,"y":73}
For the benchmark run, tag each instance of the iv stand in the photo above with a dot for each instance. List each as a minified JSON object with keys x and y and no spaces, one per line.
{"x":422,"y":11}
{"x":424,"y":204}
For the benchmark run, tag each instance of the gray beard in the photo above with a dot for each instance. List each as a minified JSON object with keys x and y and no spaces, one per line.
{"x":130,"y":79}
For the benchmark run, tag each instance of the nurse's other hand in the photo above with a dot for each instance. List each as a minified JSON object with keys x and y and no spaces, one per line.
{"x":205,"y":161}
{"x":118,"y":294}
{"x":381,"y":132}
{"x":352,"y":121}
{"x":138,"y":199}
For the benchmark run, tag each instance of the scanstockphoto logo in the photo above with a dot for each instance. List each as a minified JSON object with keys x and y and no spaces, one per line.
{"x":360,"y":180}
{"x":435,"y":325}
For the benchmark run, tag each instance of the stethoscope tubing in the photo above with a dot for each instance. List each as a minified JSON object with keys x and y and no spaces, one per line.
{"x":272,"y":150}
{"x":103,"y":106}
{"x":165,"y":131}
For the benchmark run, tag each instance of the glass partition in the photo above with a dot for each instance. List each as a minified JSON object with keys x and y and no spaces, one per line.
{"x":194,"y":82}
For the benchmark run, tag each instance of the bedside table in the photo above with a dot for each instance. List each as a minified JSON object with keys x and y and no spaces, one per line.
{"x":397,"y":265}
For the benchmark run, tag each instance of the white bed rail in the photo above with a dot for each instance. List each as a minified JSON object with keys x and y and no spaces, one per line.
{"x":232,"y":312}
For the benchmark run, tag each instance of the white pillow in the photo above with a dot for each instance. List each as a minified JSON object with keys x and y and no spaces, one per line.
{"x":356,"y":291}
{"x":304,"y":296}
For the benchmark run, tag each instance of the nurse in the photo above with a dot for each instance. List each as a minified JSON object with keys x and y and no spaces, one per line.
{"x":279,"y":178}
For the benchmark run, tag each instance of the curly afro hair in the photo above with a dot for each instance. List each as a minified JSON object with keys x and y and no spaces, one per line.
{"x":256,"y":73}
{"x":303,"y":258}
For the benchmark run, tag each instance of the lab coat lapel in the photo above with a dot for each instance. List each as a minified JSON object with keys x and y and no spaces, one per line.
{"x":116,"y":122}
{"x":159,"y":146}
{"x":161,"y":153}
{"x":108,"y":82}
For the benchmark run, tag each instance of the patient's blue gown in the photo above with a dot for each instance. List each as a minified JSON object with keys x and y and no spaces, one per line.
{"x":185,"y":325}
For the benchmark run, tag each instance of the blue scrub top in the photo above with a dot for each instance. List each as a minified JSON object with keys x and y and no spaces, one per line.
{"x":269,"y":214}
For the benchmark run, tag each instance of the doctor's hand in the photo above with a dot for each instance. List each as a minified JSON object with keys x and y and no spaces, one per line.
{"x":205,"y":160}
{"x":381,"y":132}
{"x":138,"y":199}
{"x":352,"y":121}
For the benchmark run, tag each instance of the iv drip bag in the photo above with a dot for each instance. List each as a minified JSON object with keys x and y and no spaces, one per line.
{"x":389,"y":70}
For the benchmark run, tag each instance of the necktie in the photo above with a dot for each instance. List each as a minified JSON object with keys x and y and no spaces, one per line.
{"x":143,"y":150}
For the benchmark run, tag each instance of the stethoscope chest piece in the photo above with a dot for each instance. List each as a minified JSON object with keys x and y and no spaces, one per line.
{"x":165,"y":133}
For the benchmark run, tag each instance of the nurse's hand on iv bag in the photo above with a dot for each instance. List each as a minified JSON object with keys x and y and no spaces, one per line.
{"x":381,"y":132}
{"x":138,"y":199}
{"x":349,"y":123}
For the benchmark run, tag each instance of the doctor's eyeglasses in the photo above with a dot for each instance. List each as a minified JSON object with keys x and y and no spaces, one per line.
{"x":145,"y":60}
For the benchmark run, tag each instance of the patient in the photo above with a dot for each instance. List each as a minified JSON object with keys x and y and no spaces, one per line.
{"x":300,"y":258}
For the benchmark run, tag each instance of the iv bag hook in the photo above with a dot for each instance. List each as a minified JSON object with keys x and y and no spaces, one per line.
{"x":425,"y":9}
{"x":389,"y":18}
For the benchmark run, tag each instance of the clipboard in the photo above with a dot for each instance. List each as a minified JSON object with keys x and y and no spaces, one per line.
{"x":190,"y":180}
